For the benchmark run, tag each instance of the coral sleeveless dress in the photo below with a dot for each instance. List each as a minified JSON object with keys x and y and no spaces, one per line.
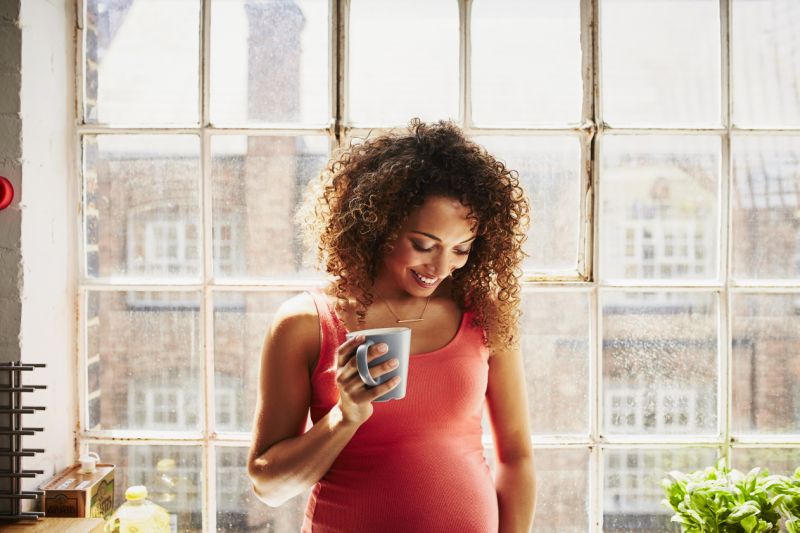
{"x":417,"y":464}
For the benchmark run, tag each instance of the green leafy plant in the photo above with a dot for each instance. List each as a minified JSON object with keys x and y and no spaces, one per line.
{"x":720,"y":500}
{"x":787,"y":501}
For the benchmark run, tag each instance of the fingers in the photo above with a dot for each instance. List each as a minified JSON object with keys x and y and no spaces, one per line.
{"x":347,"y":349}
{"x":373,"y":352}
{"x":347,"y":374}
{"x":350,"y":368}
{"x":375,"y":371}
{"x":383,"y":388}
{"x":359,"y":391}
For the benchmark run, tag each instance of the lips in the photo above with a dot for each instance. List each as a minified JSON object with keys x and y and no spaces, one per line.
{"x":425,"y":281}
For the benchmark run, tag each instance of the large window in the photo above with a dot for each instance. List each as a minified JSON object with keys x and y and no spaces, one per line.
{"x":658,"y":141}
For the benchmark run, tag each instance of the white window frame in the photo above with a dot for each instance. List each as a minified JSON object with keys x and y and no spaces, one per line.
{"x":339,"y":130}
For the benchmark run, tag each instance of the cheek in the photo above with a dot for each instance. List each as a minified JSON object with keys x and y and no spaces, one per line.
{"x":403,"y":257}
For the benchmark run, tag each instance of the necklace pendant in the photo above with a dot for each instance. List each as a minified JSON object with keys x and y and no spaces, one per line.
{"x":410,"y":320}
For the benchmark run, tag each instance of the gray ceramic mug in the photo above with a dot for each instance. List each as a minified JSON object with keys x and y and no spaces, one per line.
{"x":399,"y":342}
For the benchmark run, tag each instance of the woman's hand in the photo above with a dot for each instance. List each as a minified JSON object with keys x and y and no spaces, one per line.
{"x":355,"y":399}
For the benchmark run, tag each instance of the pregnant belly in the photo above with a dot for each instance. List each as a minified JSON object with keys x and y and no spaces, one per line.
{"x":422,"y":489}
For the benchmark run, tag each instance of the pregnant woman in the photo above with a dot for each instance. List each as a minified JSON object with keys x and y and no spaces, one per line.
{"x":422,"y":229}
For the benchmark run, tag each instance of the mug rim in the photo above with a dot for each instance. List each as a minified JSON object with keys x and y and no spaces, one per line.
{"x":378,"y":331}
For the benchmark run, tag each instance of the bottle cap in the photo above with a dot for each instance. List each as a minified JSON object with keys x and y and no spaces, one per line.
{"x":137,"y":492}
{"x":89,"y":462}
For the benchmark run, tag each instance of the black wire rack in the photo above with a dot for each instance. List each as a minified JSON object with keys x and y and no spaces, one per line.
{"x":11,"y":450}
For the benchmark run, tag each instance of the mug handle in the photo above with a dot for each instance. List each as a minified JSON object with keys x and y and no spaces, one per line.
{"x":361,"y":360}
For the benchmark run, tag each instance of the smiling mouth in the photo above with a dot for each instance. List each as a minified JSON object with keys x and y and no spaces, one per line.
{"x":424,"y":280}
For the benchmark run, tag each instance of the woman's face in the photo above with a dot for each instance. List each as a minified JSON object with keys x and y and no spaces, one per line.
{"x":435,"y":239}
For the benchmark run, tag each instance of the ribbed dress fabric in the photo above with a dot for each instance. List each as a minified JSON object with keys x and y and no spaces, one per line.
{"x":417,"y":464}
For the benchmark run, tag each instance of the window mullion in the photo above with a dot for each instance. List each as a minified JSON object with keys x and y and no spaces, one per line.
{"x":465,"y":59}
{"x":205,"y":62}
{"x":340,"y":16}
{"x":80,"y":62}
{"x":591,"y":114}
{"x":206,"y":308}
{"x":725,"y":348}
{"x":589,"y":68}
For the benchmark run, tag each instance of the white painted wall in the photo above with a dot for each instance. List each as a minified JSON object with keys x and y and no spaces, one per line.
{"x":49,"y":207}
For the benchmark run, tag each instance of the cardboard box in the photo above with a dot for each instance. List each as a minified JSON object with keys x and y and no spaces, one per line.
{"x":72,"y":494}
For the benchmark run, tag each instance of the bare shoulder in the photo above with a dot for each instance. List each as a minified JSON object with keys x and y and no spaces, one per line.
{"x":296,"y":323}
{"x":299,"y":307}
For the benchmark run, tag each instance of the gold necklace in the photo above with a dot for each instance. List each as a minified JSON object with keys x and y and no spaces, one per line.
{"x":397,"y":318}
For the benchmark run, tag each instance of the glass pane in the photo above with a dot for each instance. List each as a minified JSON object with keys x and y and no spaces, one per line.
{"x":765,"y":65}
{"x":782,"y":461}
{"x":555,"y":345}
{"x":659,"y":202}
{"x":240,"y":323}
{"x":149,"y":360}
{"x":403,"y":61}
{"x":142,"y":206}
{"x":562,"y":488}
{"x":632,"y":486}
{"x":258,"y":182}
{"x":515,"y":45}
{"x":173,"y":476}
{"x":550,"y":172}
{"x":660,"y":62}
{"x":238,"y":509}
{"x":766,"y":363}
{"x":269,"y":61}
{"x":562,"y":481}
{"x":766,"y":207}
{"x":142,"y":61}
{"x":660,"y":364}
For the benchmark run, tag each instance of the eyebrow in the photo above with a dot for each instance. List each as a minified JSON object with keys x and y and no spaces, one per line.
{"x":435,"y":238}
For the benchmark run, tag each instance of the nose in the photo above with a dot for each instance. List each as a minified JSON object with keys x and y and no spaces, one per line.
{"x":441,"y":265}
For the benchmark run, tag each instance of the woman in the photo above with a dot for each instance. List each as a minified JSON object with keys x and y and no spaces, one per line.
{"x":421,"y":225}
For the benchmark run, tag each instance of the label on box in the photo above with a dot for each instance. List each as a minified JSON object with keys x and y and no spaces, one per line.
{"x":74,"y":494}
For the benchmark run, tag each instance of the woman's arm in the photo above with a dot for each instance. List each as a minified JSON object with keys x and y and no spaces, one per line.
{"x":284,"y":461}
{"x":515,"y":481}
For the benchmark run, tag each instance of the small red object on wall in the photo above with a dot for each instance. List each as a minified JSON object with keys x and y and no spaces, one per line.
{"x":6,"y":192}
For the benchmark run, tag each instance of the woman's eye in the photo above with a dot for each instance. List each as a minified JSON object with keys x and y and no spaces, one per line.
{"x":420,"y":248}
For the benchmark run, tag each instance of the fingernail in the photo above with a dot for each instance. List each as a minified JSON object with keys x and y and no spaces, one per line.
{"x":393,"y":363}
{"x":382,"y":347}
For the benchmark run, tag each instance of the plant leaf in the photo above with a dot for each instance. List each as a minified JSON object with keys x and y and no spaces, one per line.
{"x":743,"y":511}
{"x":749,"y":523}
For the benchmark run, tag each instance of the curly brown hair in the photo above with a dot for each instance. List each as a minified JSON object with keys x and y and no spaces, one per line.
{"x":352,"y":212}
